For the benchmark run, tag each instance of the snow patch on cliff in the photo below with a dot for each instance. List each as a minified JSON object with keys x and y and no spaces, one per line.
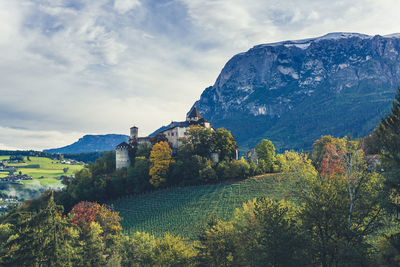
{"x":301,"y":46}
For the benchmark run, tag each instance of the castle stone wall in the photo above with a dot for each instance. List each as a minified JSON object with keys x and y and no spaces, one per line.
{"x":122,"y":158}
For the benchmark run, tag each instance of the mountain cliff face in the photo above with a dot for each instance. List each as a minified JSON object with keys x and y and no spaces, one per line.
{"x":293,"y":92}
{"x":92,"y":143}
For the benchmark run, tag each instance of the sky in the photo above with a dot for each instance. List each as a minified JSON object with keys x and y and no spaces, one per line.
{"x":70,"y":68}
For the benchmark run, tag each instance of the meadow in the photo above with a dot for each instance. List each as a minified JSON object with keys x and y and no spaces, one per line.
{"x":49,"y":168}
{"x":44,"y":177}
{"x":185,"y":211}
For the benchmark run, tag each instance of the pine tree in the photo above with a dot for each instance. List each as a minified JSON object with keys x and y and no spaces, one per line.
{"x":42,"y":239}
{"x":388,"y":135}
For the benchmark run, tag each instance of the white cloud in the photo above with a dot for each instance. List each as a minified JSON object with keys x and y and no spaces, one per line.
{"x":28,"y":139}
{"x":72,"y":67}
{"x":123,"y":6}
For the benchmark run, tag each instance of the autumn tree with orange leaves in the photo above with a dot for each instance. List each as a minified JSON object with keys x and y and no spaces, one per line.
{"x":332,"y":163}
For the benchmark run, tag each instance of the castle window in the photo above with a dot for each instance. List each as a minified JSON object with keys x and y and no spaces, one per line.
{"x":172,"y":134}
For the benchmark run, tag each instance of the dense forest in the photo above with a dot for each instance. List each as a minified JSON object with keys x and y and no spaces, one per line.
{"x":343,"y":210}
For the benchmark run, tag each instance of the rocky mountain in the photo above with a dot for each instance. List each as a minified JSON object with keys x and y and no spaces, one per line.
{"x":292,"y":92}
{"x":92,"y":143}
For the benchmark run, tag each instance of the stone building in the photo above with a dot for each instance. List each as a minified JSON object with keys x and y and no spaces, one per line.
{"x":122,"y":156}
{"x":177,"y":130}
{"x":173,"y":132}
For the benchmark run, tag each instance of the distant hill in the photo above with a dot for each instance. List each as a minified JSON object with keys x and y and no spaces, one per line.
{"x":292,"y":92}
{"x":91,"y":143}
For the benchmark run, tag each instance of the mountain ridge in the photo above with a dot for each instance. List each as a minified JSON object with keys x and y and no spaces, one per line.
{"x":91,"y":143}
{"x":292,"y":92}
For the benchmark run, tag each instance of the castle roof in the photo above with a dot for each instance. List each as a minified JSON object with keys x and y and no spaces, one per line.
{"x":184,"y":124}
{"x":194,"y":113}
{"x":122,"y":145}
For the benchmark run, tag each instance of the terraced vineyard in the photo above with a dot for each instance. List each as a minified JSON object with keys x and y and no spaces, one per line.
{"x":186,"y":210}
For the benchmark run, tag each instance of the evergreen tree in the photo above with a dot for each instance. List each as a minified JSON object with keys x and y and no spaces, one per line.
{"x":388,"y":135}
{"x":42,"y":239}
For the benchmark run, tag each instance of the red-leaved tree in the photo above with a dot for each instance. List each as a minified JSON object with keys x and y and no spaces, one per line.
{"x":332,"y":163}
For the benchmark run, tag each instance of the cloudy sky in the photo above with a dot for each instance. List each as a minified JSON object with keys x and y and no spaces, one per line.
{"x":75,"y":67}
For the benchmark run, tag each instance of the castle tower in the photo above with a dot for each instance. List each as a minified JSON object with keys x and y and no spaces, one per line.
{"x":122,"y":156}
{"x":194,"y":115}
{"x":134,"y":132}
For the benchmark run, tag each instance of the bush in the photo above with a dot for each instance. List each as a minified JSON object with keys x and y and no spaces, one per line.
{"x":143,"y":249}
{"x":235,"y":169}
{"x":138,"y":176}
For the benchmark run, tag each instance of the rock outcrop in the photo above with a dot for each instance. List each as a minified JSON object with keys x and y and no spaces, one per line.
{"x":293,"y":92}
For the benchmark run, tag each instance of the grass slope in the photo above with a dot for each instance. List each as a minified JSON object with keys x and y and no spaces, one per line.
{"x":185,"y":211}
{"x":48,"y":168}
{"x":43,"y":177}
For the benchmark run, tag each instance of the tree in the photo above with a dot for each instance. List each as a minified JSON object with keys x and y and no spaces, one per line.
{"x":44,"y":238}
{"x":387,"y":134}
{"x":100,"y":230}
{"x":337,"y":233}
{"x":143,"y":150}
{"x":201,"y":139}
{"x":389,"y":250}
{"x":160,"y":159}
{"x":143,"y":249}
{"x":138,"y":176}
{"x":274,"y":235}
{"x":65,"y":170}
{"x":266,"y":152}
{"x":337,"y":145}
{"x":220,"y":245}
{"x":332,"y":161}
{"x":225,"y":144}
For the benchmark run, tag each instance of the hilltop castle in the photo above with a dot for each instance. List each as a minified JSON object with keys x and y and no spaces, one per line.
{"x":172,"y":133}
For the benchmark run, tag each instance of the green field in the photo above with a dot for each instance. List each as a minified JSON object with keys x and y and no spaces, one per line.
{"x":48,"y":167}
{"x":43,"y":177}
{"x":186,"y":210}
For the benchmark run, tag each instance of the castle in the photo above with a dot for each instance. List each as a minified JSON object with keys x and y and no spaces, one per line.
{"x":173,"y":132}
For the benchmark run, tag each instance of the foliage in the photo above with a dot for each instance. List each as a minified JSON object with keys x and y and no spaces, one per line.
{"x":389,"y":250}
{"x":40,"y":239}
{"x":274,"y":236}
{"x":332,"y":161}
{"x":143,"y":150}
{"x":225,"y":144}
{"x":138,"y":175}
{"x":263,"y":232}
{"x":388,"y":135}
{"x":201,"y":140}
{"x":160,"y":159}
{"x":338,"y":231}
{"x":336,"y":145}
{"x":220,"y":246}
{"x":295,"y":164}
{"x":266,"y":153}
{"x":235,"y":169}
{"x":145,"y":250}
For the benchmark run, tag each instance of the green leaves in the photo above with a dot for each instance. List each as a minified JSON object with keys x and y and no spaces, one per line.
{"x":266,"y":154}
